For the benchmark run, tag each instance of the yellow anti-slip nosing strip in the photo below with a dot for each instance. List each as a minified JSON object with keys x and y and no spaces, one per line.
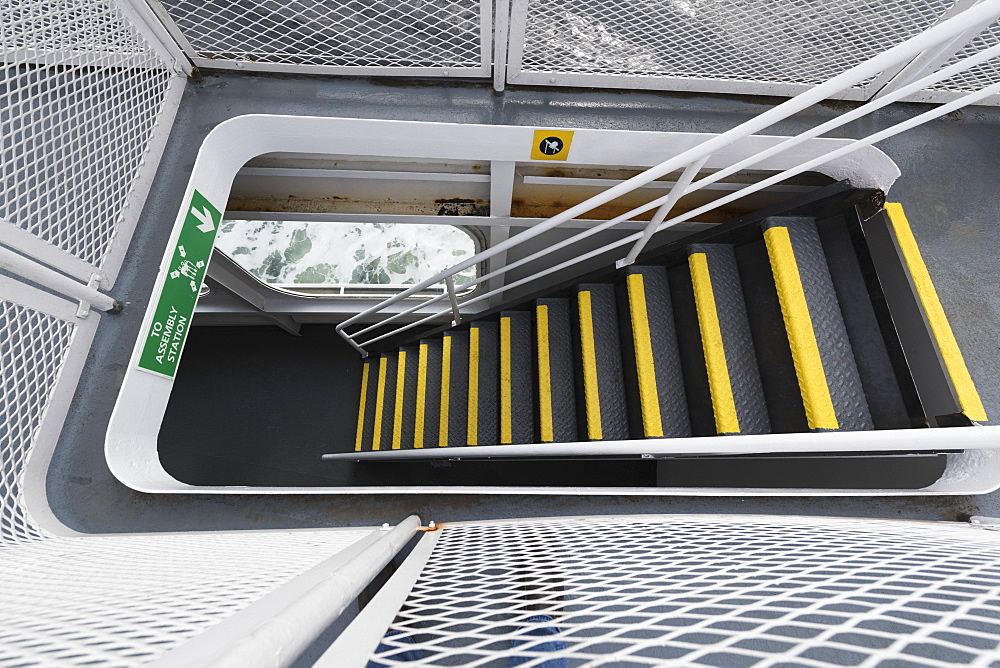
{"x":472,"y":427}
{"x":544,"y":374}
{"x":421,"y":406}
{"x":591,"y":390}
{"x":445,"y":391}
{"x":649,"y":396}
{"x":719,"y":385}
{"x":361,"y":408}
{"x":820,"y":413}
{"x":379,"y":405}
{"x":951,"y":355}
{"x":506,"y":408}
{"x":397,"y":423}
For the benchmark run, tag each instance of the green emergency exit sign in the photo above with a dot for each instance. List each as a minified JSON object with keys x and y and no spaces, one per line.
{"x":164,"y":342}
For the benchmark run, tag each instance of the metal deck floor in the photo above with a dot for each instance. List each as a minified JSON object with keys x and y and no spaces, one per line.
{"x":948,"y":187}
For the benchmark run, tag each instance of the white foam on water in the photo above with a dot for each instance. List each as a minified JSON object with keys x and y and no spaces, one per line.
{"x":280,"y":252}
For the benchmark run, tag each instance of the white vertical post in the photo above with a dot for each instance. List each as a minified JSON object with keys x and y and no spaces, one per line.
{"x":501,"y":22}
{"x":517,"y":24}
{"x":453,"y":298}
{"x":486,"y":35}
{"x":502,"y":177}
{"x":676,"y":193}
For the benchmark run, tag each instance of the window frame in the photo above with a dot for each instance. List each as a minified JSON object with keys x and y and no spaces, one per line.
{"x":480,"y":242}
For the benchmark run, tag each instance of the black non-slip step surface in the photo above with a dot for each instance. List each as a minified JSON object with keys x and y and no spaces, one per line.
{"x":430,"y":362}
{"x":554,"y":340}
{"x":370,"y":371}
{"x":385,"y":404}
{"x":870,"y":336}
{"x":713,"y":346}
{"x":647,"y":291}
{"x":487,"y":365}
{"x":840,"y":369}
{"x":599,"y":352}
{"x":692,"y":354}
{"x":734,"y":324}
{"x":409,"y":362}
{"x":518,"y":337}
{"x":785,"y":410}
{"x":456,"y":356}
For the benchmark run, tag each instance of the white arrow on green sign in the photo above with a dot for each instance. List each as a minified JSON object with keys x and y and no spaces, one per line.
{"x":161,"y":351}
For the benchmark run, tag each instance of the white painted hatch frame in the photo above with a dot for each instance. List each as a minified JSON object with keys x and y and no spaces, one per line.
{"x":131,"y":445}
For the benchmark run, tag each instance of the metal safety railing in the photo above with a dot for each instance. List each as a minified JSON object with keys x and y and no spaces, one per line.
{"x":704,"y":46}
{"x":685,"y":590}
{"x":755,"y":47}
{"x":962,"y":26}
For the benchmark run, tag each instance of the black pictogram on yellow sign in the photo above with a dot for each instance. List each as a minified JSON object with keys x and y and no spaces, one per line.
{"x":551,"y":144}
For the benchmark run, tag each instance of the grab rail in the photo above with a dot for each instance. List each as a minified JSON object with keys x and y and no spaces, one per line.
{"x":964,"y":24}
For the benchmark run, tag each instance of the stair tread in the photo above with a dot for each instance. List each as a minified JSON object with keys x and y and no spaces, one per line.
{"x":427,"y":410}
{"x":737,"y":393}
{"x":385,"y":403}
{"x":366,"y":407}
{"x":834,"y":398}
{"x":406,"y":395}
{"x":659,"y":380}
{"x":516,"y":377}
{"x":605,"y":411}
{"x":556,"y":385}
{"x":662,"y":352}
{"x":483,"y":427}
{"x":453,"y":423}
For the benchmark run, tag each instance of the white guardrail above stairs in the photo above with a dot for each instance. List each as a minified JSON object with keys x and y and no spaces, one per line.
{"x":691,"y":161}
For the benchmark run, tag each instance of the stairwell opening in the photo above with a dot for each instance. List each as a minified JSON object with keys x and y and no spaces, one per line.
{"x":288,"y":400}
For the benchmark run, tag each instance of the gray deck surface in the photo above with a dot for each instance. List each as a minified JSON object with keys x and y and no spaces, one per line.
{"x":948,"y":186}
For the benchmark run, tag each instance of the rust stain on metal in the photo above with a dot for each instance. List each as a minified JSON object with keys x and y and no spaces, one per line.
{"x":436,"y":527}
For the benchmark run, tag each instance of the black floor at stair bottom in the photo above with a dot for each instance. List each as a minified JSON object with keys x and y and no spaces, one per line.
{"x":256,"y":406}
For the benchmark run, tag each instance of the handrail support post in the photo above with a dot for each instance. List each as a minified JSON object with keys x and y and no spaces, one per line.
{"x":453,"y":298}
{"x":675,"y":194}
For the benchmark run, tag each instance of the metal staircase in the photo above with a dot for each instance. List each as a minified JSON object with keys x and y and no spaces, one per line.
{"x":768,"y":324}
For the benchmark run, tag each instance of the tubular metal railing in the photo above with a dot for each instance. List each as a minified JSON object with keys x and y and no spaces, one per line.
{"x":964,"y":25}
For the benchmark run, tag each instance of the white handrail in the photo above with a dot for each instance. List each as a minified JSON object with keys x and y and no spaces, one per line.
{"x":678,"y":191}
{"x":975,"y":16}
{"x":36,"y":272}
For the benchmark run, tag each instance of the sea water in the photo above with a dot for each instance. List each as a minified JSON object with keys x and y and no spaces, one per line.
{"x":283,"y":252}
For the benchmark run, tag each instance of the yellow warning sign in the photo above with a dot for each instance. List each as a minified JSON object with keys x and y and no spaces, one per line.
{"x":551,"y":144}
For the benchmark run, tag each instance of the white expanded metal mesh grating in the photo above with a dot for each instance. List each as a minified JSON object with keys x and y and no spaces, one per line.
{"x":127,"y":600}
{"x":979,"y":76}
{"x":792,"y":41}
{"x":33,"y":346}
{"x":702,"y":590}
{"x":80,"y":97}
{"x":112,"y":600}
{"x":351,"y":33}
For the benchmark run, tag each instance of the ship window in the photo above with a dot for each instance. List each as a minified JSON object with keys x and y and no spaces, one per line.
{"x":345,"y":259}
